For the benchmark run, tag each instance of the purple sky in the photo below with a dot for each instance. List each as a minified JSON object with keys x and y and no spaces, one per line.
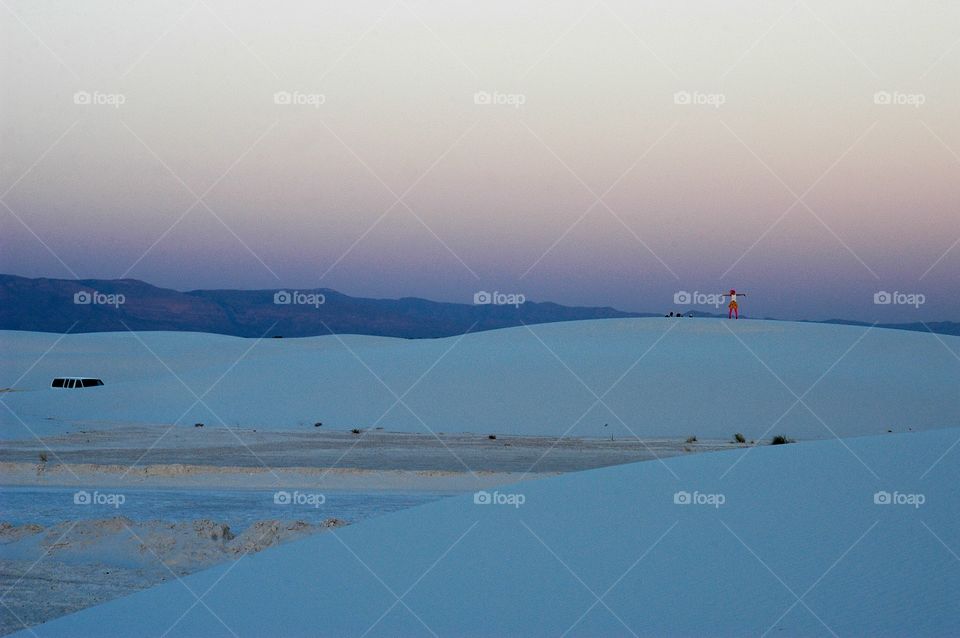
{"x":805,"y":152}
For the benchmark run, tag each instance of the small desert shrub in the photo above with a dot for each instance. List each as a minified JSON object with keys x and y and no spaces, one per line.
{"x":224,"y":533}
{"x":492,"y":437}
{"x":198,"y":425}
{"x":692,"y":439}
{"x":355,"y":430}
{"x":43,"y":457}
{"x":739,"y":438}
{"x":780,"y":439}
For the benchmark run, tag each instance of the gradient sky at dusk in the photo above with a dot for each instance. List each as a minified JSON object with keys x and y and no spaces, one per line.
{"x":599,"y":189}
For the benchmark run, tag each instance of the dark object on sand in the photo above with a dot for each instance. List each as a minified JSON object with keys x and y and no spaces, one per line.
{"x":780,"y":439}
{"x":75,"y":382}
{"x":198,"y":425}
{"x":492,"y":437}
{"x":355,"y":430}
{"x":739,"y":438}
{"x":318,"y":424}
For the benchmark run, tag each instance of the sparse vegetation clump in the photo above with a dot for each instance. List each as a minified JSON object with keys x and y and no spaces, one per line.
{"x":739,"y":438}
{"x":198,"y":425}
{"x":223,"y":533}
{"x":692,"y":439}
{"x":355,"y":430}
{"x":492,"y":437}
{"x":780,"y":439}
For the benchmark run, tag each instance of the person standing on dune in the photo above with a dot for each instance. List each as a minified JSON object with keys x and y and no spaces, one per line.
{"x":733,"y":311}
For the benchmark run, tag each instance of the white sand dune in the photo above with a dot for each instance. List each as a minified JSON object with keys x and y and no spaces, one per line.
{"x":798,"y":547}
{"x":653,"y":377}
{"x":601,"y":552}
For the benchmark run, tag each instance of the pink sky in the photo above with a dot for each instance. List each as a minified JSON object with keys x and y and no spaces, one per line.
{"x":786,"y":175}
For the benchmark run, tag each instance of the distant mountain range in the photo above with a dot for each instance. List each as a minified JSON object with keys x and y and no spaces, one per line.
{"x":97,"y":305}
{"x":108,"y":305}
{"x":940,"y":327}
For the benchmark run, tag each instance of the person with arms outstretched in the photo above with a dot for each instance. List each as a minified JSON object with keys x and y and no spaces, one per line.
{"x":733,"y":308}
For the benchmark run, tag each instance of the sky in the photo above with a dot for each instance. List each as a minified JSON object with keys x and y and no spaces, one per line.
{"x":604,"y":153}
